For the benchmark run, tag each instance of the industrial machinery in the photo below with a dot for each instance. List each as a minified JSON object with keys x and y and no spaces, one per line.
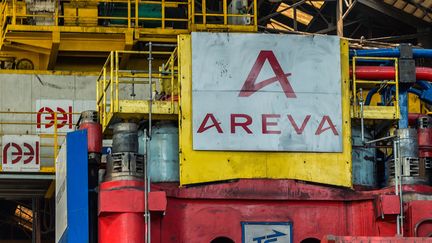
{"x":353,"y":162}
{"x":217,"y":135}
{"x":121,"y":195}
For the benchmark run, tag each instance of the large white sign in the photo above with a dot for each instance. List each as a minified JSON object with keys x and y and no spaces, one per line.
{"x":20,"y":153}
{"x":262,"y":92}
{"x":64,"y":109}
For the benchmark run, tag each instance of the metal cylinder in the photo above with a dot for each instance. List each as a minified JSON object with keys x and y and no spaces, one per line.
{"x":412,"y":171}
{"x":89,"y":121}
{"x":124,"y":166}
{"x":363,"y":159}
{"x":408,"y":142}
{"x":121,"y":209}
{"x":89,"y":116}
{"x":424,"y":133}
{"x":125,"y":138}
{"x":164,"y":156}
{"x":124,"y":163}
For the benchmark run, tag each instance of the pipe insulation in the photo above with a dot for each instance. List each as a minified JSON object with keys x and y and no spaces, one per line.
{"x":391,"y":52}
{"x":383,"y":73}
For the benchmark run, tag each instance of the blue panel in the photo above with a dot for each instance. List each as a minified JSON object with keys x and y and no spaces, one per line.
{"x":77,"y":187}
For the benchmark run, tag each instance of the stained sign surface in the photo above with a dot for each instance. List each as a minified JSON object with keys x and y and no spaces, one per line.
{"x":262,"y":92}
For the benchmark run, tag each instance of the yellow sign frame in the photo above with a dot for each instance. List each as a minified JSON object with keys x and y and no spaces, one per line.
{"x":209,"y":166}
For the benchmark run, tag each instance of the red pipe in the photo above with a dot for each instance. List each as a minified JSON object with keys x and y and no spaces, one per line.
{"x":379,"y":73}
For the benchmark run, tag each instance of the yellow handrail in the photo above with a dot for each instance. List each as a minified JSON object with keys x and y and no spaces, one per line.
{"x":55,"y":135}
{"x":133,"y":19}
{"x":356,"y":82}
{"x":110,"y":83}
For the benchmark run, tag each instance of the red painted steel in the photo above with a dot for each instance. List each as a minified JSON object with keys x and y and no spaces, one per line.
{"x":419,"y":218}
{"x":94,"y":136}
{"x":425,"y":142}
{"x":388,"y":205}
{"x":380,"y":73}
{"x":121,"y":210}
{"x":202,"y":213}
{"x":157,"y":201}
{"x":365,"y":239}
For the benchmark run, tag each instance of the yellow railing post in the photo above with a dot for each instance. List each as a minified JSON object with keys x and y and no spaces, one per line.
{"x":56,"y":14}
{"x":172,"y":78}
{"x":13,"y":12}
{"x":163,"y":14}
{"x":204,"y":11}
{"x":225,"y":11}
{"x":129,"y":13}
{"x":117,"y":108}
{"x":55,"y":137}
{"x":192,"y":13}
{"x":397,"y":87}
{"x":102,"y":111}
{"x":104,"y":96}
{"x":136,"y":13}
{"x":112,"y":77}
{"x":354,"y":60}
{"x":255,"y":14}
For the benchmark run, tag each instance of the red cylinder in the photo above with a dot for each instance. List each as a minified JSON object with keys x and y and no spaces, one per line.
{"x":94,"y":136}
{"x":425,"y":142}
{"x":121,"y":212}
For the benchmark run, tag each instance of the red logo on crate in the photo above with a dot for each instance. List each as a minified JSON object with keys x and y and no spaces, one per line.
{"x":250,"y":87}
{"x":45,"y":117}
{"x":25,"y":153}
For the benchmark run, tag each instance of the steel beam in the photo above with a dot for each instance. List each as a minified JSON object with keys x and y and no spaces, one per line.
{"x":54,"y":49}
{"x":393,"y":12}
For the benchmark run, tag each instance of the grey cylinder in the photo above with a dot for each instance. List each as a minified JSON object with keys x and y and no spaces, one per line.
{"x":408,"y":142}
{"x":89,"y":116}
{"x":164,"y":153}
{"x":124,"y":166}
{"x":125,"y":138}
{"x":363,"y":160}
{"x":411,"y":171}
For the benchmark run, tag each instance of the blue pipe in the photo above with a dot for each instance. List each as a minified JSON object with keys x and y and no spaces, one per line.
{"x":403,"y":100}
{"x":424,"y":84}
{"x":369,"y":95}
{"x":415,"y":91}
{"x":391,"y":52}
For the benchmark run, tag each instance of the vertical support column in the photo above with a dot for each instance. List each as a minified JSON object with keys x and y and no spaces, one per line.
{"x":163,"y":14}
{"x":36,"y":234}
{"x":204,"y":11}
{"x":129,"y":9}
{"x":403,"y":106}
{"x":13,"y":12}
{"x":407,"y":77}
{"x":225,"y":11}
{"x":146,"y":166}
{"x":339,"y":14}
{"x":136,"y":13}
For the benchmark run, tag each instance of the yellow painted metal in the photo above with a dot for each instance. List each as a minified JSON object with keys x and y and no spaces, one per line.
{"x":51,"y":189}
{"x":112,"y":102}
{"x":76,"y":25}
{"x":414,"y":104}
{"x":24,"y":122}
{"x":207,"y":166}
{"x":389,"y":112}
